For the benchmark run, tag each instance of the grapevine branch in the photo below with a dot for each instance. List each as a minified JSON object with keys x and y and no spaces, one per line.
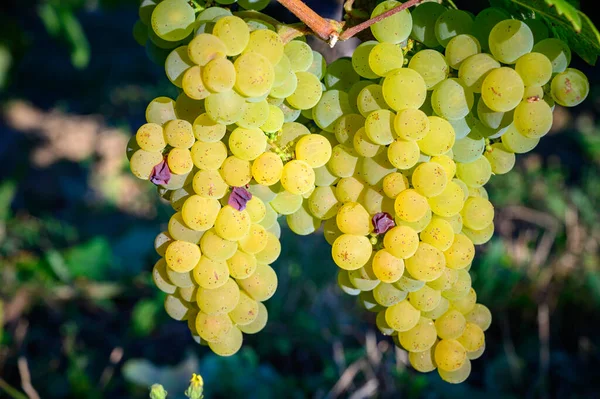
{"x":331,"y":31}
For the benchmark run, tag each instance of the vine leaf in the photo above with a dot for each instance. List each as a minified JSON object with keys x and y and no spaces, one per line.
{"x":564,"y":20}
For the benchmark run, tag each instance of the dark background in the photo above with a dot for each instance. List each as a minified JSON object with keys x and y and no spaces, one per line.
{"x":81,"y":314}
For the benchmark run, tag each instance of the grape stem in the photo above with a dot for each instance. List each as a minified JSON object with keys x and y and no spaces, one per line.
{"x":350,"y":32}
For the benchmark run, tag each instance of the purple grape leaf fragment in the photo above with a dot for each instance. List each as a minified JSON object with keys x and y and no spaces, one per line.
{"x":160,"y":174}
{"x":382,"y":222}
{"x":239,"y":197}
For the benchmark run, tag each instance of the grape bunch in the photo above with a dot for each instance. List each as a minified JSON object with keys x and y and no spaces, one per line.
{"x":217,"y":155}
{"x":386,"y":152}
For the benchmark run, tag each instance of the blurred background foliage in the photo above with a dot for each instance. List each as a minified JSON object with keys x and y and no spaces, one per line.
{"x":80,"y":317}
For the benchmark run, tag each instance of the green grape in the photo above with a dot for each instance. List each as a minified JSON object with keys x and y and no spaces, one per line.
{"x":384,"y":58}
{"x":450,"y":355}
{"x":419,"y":338}
{"x":173,"y":20}
{"x":509,"y":40}
{"x":267,"y":168}
{"x":410,"y":205}
{"x":424,"y":17}
{"x":452,"y":100}
{"x":379,"y":126}
{"x":324,"y":177}
{"x":176,"y":64}
{"x":271,"y":251}
{"x":480,"y":316}
{"x":429,"y":179}
{"x":273,"y":121}
{"x":370,"y":99}
{"x":161,"y":242}
{"x":366,"y":301}
{"x":230,"y":344}
{"x":350,"y":189}
{"x":332,"y":105}
{"x":287,"y":88}
{"x":447,"y":164}
{"x":557,"y":51}
{"x":256,"y":115}
{"x":501,"y":160}
{"x":472,"y":338}
{"x":234,"y":33}
{"x":394,"y":183}
{"x":267,"y":43}
{"x":257,"y":209}
{"x":404,"y":88}
{"x":270,"y":218}
{"x":247,"y":144}
{"x":438,"y":233}
{"x":259,"y":323}
{"x":318,"y":66}
{"x":401,"y":241}
{"x":236,"y":172}
{"x":282,"y":71}
{"x":261,"y":285}
{"x":452,"y":23}
{"x":402,"y":316}
{"x":363,"y":144}
{"x":207,"y":130}
{"x":308,"y":91}
{"x":208,"y":156}
{"x":226,"y":107}
{"x":376,"y":202}
{"x":492,"y":119}
{"x":160,"y":110}
{"x":354,"y":93}
{"x":469,"y":148}
{"x":297,"y":177}
{"x":211,"y":274}
{"x":290,"y":114}
{"x":387,"y":267}
{"x":346,"y":127}
{"x":476,"y":354}
{"x":534,"y":68}
{"x":145,"y":10}
{"x":479,"y":237}
{"x":502,"y":89}
{"x":345,"y":285}
{"x":253,"y":4}
{"x":241,"y":265}
{"x":179,"y":230}
{"x":352,"y":218}
{"x":451,"y":324}
{"x":387,"y":294}
{"x":417,"y":226}
{"x":456,"y":376}
{"x":351,"y":252}
{"x":161,"y":279}
{"x":431,"y":65}
{"x":570,"y":88}
{"x":393,"y":29}
{"x":331,"y":231}
{"x":364,"y":278}
{"x":463,"y":187}
{"x":477,"y":213}
{"x":476,"y":173}
{"x":286,"y":203}
{"x":460,"y":48}
{"x":425,"y":298}
{"x":423,"y":361}
{"x":314,"y":149}
{"x":475,"y":69}
{"x":455,"y":221}
{"x":254,"y":74}
{"x":340,"y":75}
{"x":427,"y":263}
{"x":460,"y":254}
{"x":449,"y":202}
{"x":439,"y":139}
{"x":217,"y":248}
{"x":187,"y":108}
{"x":438,"y":311}
{"x":343,"y":162}
{"x":533,"y":93}
{"x":467,"y":303}
{"x":411,"y":124}
{"x":538,"y":29}
{"x":403,"y":154}
{"x":177,"y":308}
{"x":323,"y":203}
{"x":179,"y":134}
{"x":484,"y":23}
{"x":300,"y":55}
{"x":408,"y":283}
{"x":360,"y":59}
{"x":382,"y":325}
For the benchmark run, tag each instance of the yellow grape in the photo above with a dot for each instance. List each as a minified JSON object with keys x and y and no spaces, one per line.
{"x":230,"y":344}
{"x":465,"y":304}
{"x":209,"y":184}
{"x":410,"y":205}
{"x":403,"y":154}
{"x":219,"y":75}
{"x":411,"y":124}
{"x":404,"y":88}
{"x":247,"y":144}
{"x":210,"y":273}
{"x":402,"y":316}
{"x":160,"y":110}
{"x":364,"y":278}
{"x":472,"y":337}
{"x":351,"y":252}
{"x":449,"y":202}
{"x":481,"y":316}
{"x":236,"y":172}
{"x":226,"y":107}
{"x":314,"y":149}
{"x":460,"y":288}
{"x":150,"y":137}
{"x":419,"y":338}
{"x":502,"y":90}
{"x":143,"y":162}
{"x":161,"y":278}
{"x":323,"y":203}
{"x":274,"y":120}
{"x":394,"y":183}
{"x":233,"y":32}
{"x":534,"y":68}
{"x":352,"y":218}
{"x":161,"y":242}
{"x":212,"y":328}
{"x":207,"y":130}
{"x":181,"y":280}
{"x":308,"y":91}
{"x":241,"y":265}
{"x":429,"y":179}
{"x":232,"y":224}
{"x":387,"y":294}
{"x":220,"y":300}
{"x":245,"y":312}
{"x":385,"y":57}
{"x":425,"y":298}
{"x":439,"y":310}
{"x":533,"y":119}
{"x":401,"y":241}
{"x":500,"y":158}
{"x":475,"y":69}
{"x":364,"y":146}
{"x":450,"y":355}
{"x":193,"y":85}
{"x":255,"y":241}
{"x":208,"y":156}
{"x":427,"y":263}
{"x":215,"y":247}
{"x":182,"y":256}
{"x":456,"y":376}
{"x":477,"y":213}
{"x":387,"y":267}
{"x":271,"y":251}
{"x":297,"y":177}
{"x":259,"y":323}
{"x":179,"y":230}
{"x":262,"y":284}
{"x":451,"y":324}
{"x":439,"y":139}
{"x":422,"y":361}
{"x":180,"y":161}
{"x":267,"y":43}
{"x":476,"y":354}
{"x":254,"y":74}
{"x":438,"y":233}
{"x":200,"y":213}
{"x":461,"y":253}
{"x":408,"y":283}
{"x":267,"y":168}
{"x":205,"y":48}
{"x":257,"y":209}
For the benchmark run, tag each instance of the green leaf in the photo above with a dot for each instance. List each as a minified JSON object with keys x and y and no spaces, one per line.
{"x":91,"y":259}
{"x":75,"y":36}
{"x":565,"y":22}
{"x":8,"y":190}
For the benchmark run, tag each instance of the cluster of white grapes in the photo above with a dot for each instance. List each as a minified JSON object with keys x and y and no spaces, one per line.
{"x":388,"y":151}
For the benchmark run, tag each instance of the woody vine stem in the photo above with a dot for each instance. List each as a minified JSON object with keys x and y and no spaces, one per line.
{"x":332,"y":31}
